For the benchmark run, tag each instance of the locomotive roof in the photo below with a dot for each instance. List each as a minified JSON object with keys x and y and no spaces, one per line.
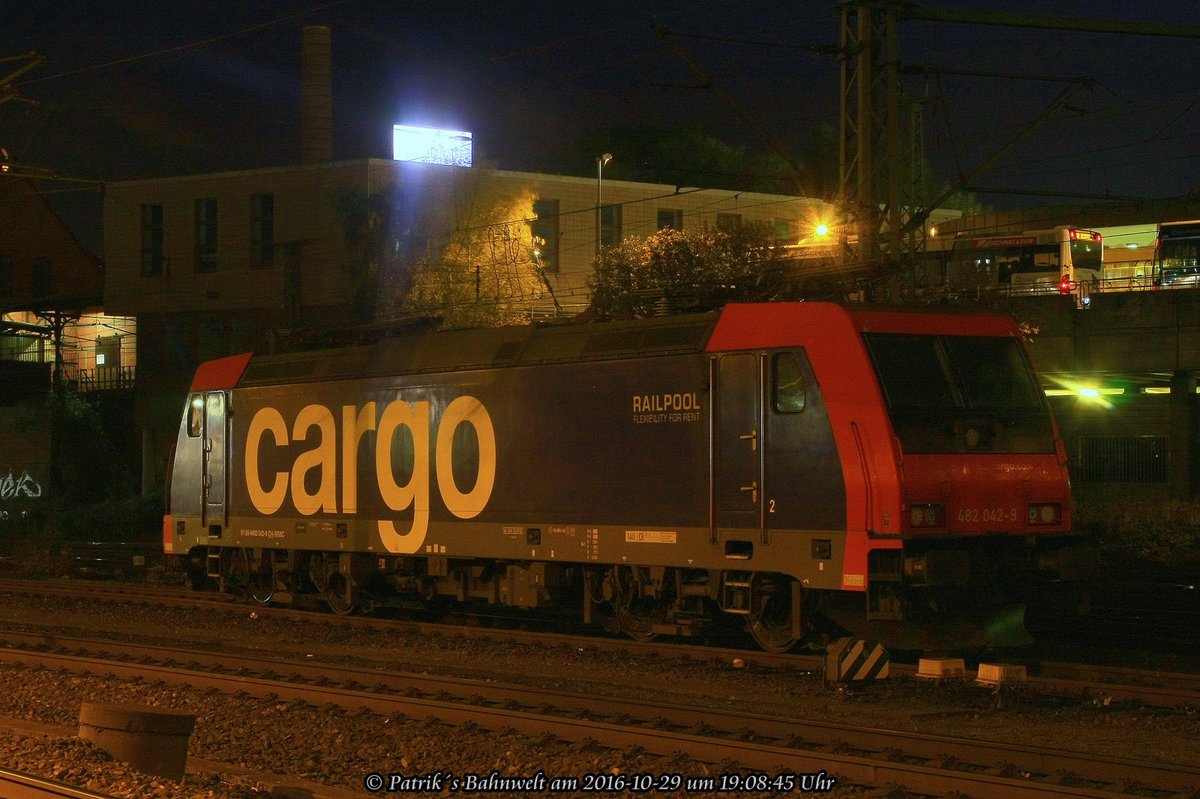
{"x":488,"y":348}
{"x":737,"y":326}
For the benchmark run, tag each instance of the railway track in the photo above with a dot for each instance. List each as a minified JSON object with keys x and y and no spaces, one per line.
{"x":1098,"y":683}
{"x":15,"y":785}
{"x":762,"y":746}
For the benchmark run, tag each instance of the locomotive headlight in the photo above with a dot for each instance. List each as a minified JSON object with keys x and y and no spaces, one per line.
{"x":1045,"y":513}
{"x":927,"y":515}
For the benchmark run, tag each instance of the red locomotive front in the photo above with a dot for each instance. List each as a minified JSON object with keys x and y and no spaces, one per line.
{"x":957,"y":492}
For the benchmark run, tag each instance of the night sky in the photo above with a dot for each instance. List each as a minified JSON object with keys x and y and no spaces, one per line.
{"x":135,"y":89}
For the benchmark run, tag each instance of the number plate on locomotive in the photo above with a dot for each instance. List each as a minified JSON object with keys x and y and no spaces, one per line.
{"x":987,"y":515}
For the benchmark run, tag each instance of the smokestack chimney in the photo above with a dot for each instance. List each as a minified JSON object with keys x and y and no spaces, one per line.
{"x":316,"y":113}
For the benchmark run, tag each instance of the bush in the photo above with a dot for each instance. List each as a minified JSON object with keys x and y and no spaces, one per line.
{"x":1131,"y":535}
{"x":136,"y":518}
{"x":42,"y":543}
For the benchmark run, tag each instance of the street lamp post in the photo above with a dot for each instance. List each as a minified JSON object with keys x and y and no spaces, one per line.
{"x":600,"y":162}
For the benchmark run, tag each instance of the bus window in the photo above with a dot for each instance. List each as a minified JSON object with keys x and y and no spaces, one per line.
{"x":1178,"y":258}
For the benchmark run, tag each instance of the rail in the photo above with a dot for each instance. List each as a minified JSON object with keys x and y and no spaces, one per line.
{"x":18,"y":785}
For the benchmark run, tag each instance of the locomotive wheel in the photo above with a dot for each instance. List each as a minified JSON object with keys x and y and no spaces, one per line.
{"x":260,"y":582}
{"x":770,"y":622}
{"x":334,"y":588}
{"x":636,"y":616}
{"x":242,"y":579}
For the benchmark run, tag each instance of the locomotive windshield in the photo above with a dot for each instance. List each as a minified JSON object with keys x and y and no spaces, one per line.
{"x":961,"y":394}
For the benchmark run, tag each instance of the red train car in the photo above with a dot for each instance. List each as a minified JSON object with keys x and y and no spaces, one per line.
{"x":789,"y":463}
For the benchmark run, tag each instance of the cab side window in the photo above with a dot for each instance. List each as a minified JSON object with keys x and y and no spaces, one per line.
{"x":788,"y":389}
{"x":195,"y":420}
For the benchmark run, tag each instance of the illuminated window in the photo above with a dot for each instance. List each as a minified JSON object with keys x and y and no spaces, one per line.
{"x":206,"y":235}
{"x":610,"y":225}
{"x":153,"y":258}
{"x":544,"y":230}
{"x":670,"y":218}
{"x":262,"y":229}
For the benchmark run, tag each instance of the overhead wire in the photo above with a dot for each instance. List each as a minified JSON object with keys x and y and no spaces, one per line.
{"x":1096,"y":117}
{"x":189,"y":45}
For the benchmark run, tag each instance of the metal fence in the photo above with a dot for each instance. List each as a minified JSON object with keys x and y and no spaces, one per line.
{"x":105,"y":378}
{"x":1122,"y":459}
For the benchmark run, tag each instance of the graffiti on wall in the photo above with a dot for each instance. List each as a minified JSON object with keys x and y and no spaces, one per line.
{"x":23,"y":486}
{"x":13,"y":487}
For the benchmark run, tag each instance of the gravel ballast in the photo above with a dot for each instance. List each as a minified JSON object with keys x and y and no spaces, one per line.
{"x":305,"y":746}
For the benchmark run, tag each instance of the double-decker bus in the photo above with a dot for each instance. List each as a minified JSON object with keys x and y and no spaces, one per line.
{"x":1062,"y":260}
{"x":1177,"y":254}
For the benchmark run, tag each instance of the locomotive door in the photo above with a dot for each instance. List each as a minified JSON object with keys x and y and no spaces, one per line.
{"x":214,"y":462}
{"x":738,"y":444}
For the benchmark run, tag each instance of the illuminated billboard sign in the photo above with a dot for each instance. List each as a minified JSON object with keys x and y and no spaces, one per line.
{"x":431,"y":145}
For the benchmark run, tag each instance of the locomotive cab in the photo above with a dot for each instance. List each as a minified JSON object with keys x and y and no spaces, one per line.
{"x":956,"y":494}
{"x":985,"y":499}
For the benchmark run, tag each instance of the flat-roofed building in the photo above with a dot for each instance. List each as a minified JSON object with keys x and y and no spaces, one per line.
{"x":215,"y":264}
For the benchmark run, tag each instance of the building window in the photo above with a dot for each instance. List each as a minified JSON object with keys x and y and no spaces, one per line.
{"x":108,"y":362}
{"x":206,"y":235}
{"x":544,"y":230}
{"x":670,"y":218}
{"x":610,"y":225}
{"x":262,"y":229}
{"x":153,"y":258}
{"x":729,"y":222}
{"x":41,"y":277}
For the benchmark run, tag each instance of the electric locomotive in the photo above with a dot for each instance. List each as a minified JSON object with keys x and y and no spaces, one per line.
{"x":794,"y":464}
